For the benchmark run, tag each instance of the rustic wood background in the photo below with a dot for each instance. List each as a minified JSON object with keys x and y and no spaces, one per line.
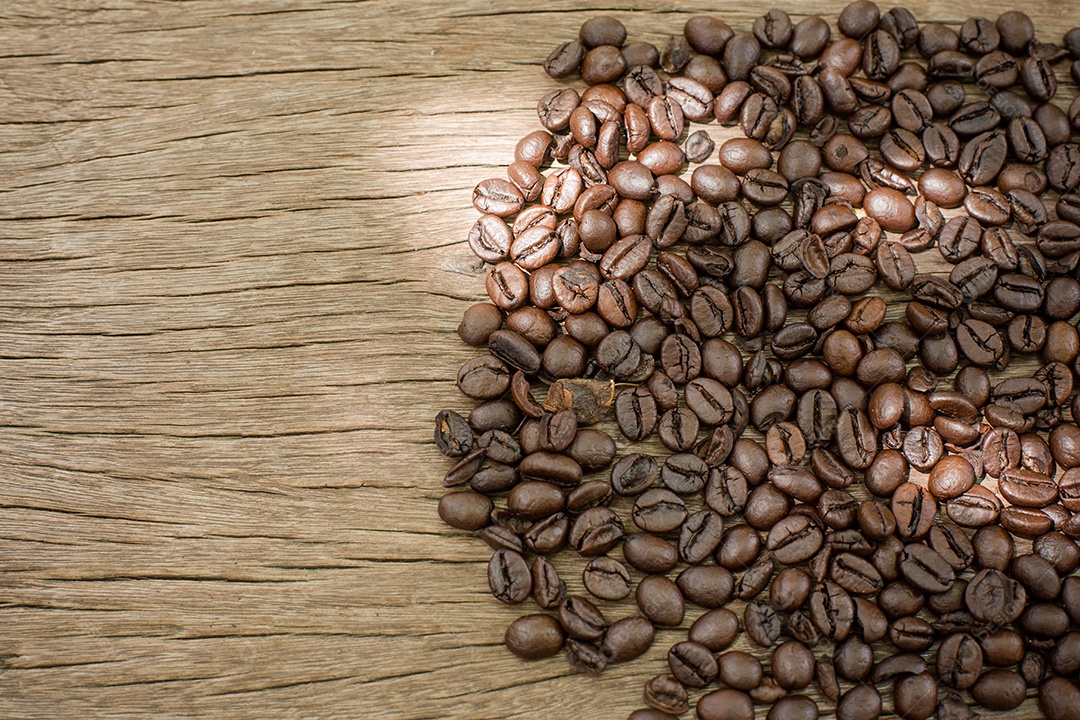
{"x":232,"y":261}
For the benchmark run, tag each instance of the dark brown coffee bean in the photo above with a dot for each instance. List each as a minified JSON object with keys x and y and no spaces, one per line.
{"x":856,"y":438}
{"x":794,"y":539}
{"x":754,"y":580}
{"x":741,"y":53}
{"x":832,"y":610}
{"x":533,"y":637}
{"x":707,"y":35}
{"x":715,"y":629}
{"x":706,"y":585}
{"x":861,"y":702}
{"x":667,"y":695}
{"x":999,"y":690}
{"x":700,"y":536}
{"x":959,"y":661}
{"x":793,"y":665}
{"x":993,"y":597}
{"x":914,"y":509}
{"x":627,"y":639}
{"x":725,"y":705}
{"x":596,"y":531}
{"x":509,"y":577}
{"x":581,"y":619}
{"x":762,"y":624}
{"x":660,"y":601}
{"x":692,"y":664}
{"x":649,"y":554}
{"x":915,"y":696}
{"x":926,"y":569}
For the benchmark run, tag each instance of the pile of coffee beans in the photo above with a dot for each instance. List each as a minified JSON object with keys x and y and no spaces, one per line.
{"x":882,"y":500}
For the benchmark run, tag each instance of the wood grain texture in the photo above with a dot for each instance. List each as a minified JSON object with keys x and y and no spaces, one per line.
{"x":231,"y":266}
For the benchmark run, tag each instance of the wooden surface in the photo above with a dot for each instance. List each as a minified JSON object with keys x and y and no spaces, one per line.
{"x":231,"y":266}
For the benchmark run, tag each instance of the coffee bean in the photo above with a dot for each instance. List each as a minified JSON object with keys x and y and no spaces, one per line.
{"x":999,"y":690}
{"x":666,"y":694}
{"x":831,"y":610}
{"x":762,"y":624}
{"x":754,"y":580}
{"x":856,"y":438}
{"x":725,"y":705}
{"x":855,"y":574}
{"x":649,"y":554}
{"x":533,"y":637}
{"x":509,"y":577}
{"x":915,"y":696}
{"x":926,"y":569}
{"x":627,"y":639}
{"x":660,"y":601}
{"x":700,"y":535}
{"x":794,"y":539}
{"x":914,"y":509}
{"x":861,"y":702}
{"x":706,"y":585}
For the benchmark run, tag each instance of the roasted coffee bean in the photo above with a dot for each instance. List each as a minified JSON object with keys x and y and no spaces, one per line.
{"x":739,"y":670}
{"x":649,"y":554}
{"x":627,"y":639}
{"x":707,"y":35}
{"x":794,"y":539}
{"x":706,"y":585}
{"x":726,"y":491}
{"x":1038,"y":576}
{"x":678,"y":429}
{"x":762,"y":624}
{"x":509,"y":577}
{"x":915,"y":509}
{"x":584,"y":657}
{"x":861,"y":702}
{"x":725,"y":705}
{"x":666,"y":694}
{"x":692,"y":664}
{"x":533,"y":637}
{"x":855,"y":574}
{"x":980,"y":342}
{"x":754,"y":580}
{"x":926,"y":569}
{"x":832,"y":610}
{"x":1026,"y":488}
{"x":634,"y":474}
{"x":895,"y":265}
{"x":911,"y":634}
{"x":1059,"y":550}
{"x":659,"y":510}
{"x":739,"y":548}
{"x":715,"y":629}
{"x":793,"y":665}
{"x":596,"y":531}
{"x":660,"y":601}
{"x":941,"y":144}
{"x":999,"y":690}
{"x":915,"y":696}
{"x":607,"y":578}
{"x":959,"y":661}
{"x":991,"y":596}
{"x":900,"y":599}
{"x":856,"y":438}
{"x":700,"y":535}
{"x":581,"y":619}
{"x":950,"y":65}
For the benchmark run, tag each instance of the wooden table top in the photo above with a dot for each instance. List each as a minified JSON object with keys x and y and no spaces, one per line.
{"x":232,"y":263}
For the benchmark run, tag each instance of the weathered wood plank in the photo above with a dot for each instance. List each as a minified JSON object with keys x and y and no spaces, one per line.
{"x":232,"y":260}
